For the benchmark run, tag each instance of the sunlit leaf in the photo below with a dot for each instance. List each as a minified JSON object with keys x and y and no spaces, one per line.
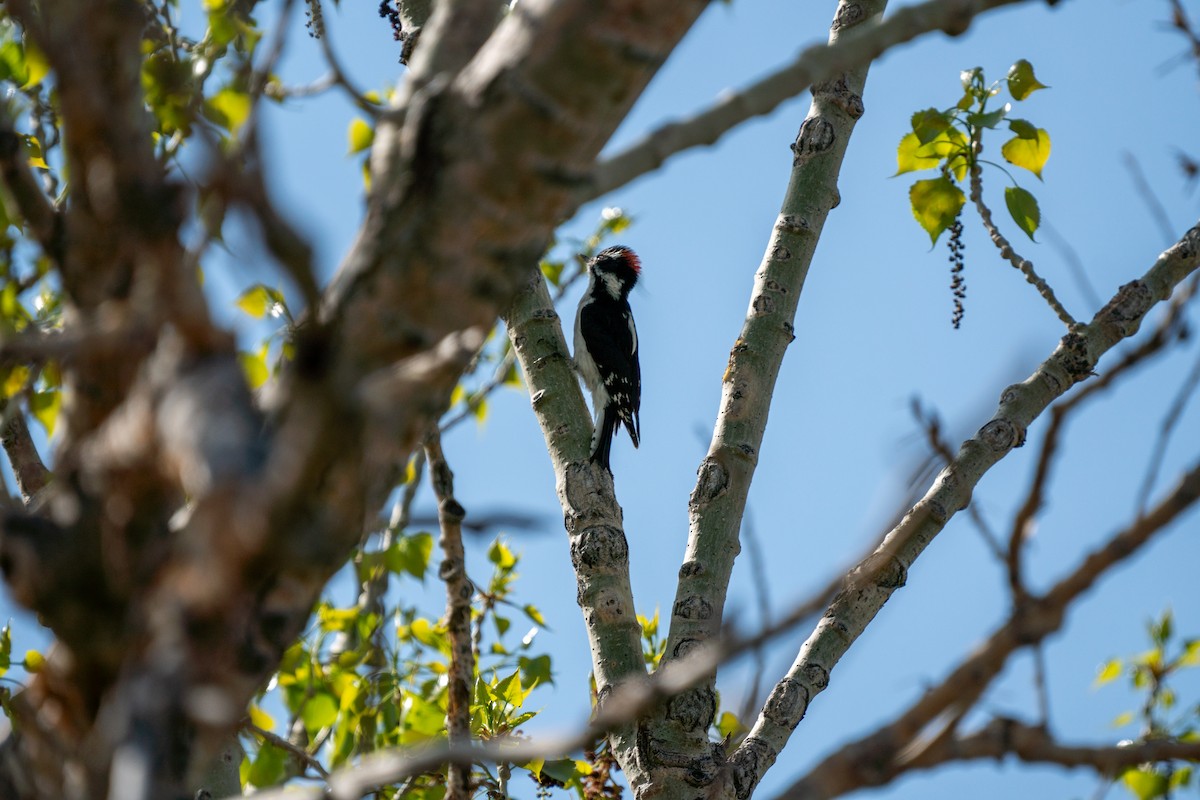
{"x":500,"y":555}
{"x":989,"y":119}
{"x":229,"y":108}
{"x":15,"y":382}
{"x":34,"y":661}
{"x":45,"y":407}
{"x":1024,"y":209}
{"x":1021,"y":80}
{"x":1023,"y":128}
{"x":5,"y":648}
{"x":912,"y":155}
{"x":36,"y":65}
{"x":254,"y":367}
{"x":360,"y":134}
{"x":319,"y":712}
{"x":535,"y":670}
{"x":410,"y":554}
{"x":1190,"y":657}
{"x":33,"y":152}
{"x":259,"y":301}
{"x":936,"y":203}
{"x":1121,"y":720}
{"x":1108,"y":671}
{"x":927,"y":124}
{"x":1146,"y":784}
{"x":532,"y":612}
{"x":1030,"y":154}
{"x":261,"y":718}
{"x":729,"y":725}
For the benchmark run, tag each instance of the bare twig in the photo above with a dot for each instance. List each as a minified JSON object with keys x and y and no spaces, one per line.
{"x":299,"y":753}
{"x":1153,"y":204}
{"x":1074,"y":263}
{"x":339,"y":76}
{"x":1034,"y":744}
{"x":1170,"y":420}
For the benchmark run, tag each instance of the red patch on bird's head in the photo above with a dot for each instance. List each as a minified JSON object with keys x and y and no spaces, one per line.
{"x":624,"y":254}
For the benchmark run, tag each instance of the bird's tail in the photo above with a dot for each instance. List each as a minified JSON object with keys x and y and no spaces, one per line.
{"x":602,"y":448}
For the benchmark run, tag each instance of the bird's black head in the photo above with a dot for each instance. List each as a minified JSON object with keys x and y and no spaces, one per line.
{"x":617,"y":269}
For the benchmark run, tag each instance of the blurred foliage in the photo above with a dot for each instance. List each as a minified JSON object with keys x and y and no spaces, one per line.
{"x":1161,"y":716}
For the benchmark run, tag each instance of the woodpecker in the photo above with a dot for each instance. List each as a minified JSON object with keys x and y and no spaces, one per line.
{"x":606,"y":348}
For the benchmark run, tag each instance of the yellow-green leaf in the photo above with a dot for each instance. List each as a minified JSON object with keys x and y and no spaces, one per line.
{"x":1121,"y":720}
{"x":500,"y":555}
{"x":45,"y":407}
{"x":360,"y":134}
{"x":912,"y":155}
{"x":229,"y":108}
{"x":254,"y":365}
{"x":1108,"y":672}
{"x":15,"y":381}
{"x":320,"y":711}
{"x":33,"y":152}
{"x":1021,"y":80}
{"x":36,"y":64}
{"x":34,"y":661}
{"x":260,"y":718}
{"x":254,"y":301}
{"x":1030,"y":154}
{"x":729,"y":725}
{"x":936,"y":204}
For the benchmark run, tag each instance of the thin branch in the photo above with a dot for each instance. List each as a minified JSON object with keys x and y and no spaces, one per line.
{"x":459,"y":591}
{"x":1034,"y":744}
{"x":1153,"y":204}
{"x":36,"y":209}
{"x":339,"y":76}
{"x":27,"y":466}
{"x":875,"y":759}
{"x":931,"y":424}
{"x":1170,"y":420}
{"x":812,"y":66}
{"x":1023,"y":265}
{"x":291,"y":748}
{"x":1074,"y":263}
{"x":885,"y":571}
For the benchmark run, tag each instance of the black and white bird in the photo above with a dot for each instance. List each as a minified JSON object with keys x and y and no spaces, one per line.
{"x":606,"y":348}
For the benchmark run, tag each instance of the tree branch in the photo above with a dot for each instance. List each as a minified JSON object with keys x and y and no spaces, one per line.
{"x":874,"y":581}
{"x":877,"y":758}
{"x":459,"y":591}
{"x":718,"y":501}
{"x":599,"y":550}
{"x":813,"y":65}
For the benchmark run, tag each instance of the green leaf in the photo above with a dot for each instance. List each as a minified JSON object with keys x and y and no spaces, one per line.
{"x":936,"y":204}
{"x":45,"y":407}
{"x":229,"y":108}
{"x":426,"y":632}
{"x":532,"y":612}
{"x":1146,"y":784}
{"x":989,"y":119}
{"x":912,"y":155}
{"x":566,"y":769}
{"x":649,"y":625}
{"x":422,"y":719}
{"x":5,"y":648}
{"x":261,"y":718}
{"x":1109,"y":671}
{"x":1030,"y":154}
{"x":1160,"y":632}
{"x":1024,"y":209}
{"x":267,"y":767}
{"x":928,"y":124}
{"x":500,"y":555}
{"x":410,"y":554}
{"x":1181,"y":777}
{"x":1121,"y":720}
{"x":729,"y":725}
{"x":1023,"y":128}
{"x":36,"y":65}
{"x":502,"y":624}
{"x":1021,"y":80}
{"x":259,"y":301}
{"x":360,"y":134}
{"x":33,"y":152}
{"x":1190,"y":657}
{"x":552,"y":270}
{"x":34,"y":661}
{"x":319,"y":712}
{"x":969,"y":77}
{"x":254,"y":366}
{"x":17,"y":377}
{"x":535,"y":670}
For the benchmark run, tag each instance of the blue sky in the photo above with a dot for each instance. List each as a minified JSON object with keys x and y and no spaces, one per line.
{"x":873,"y":330}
